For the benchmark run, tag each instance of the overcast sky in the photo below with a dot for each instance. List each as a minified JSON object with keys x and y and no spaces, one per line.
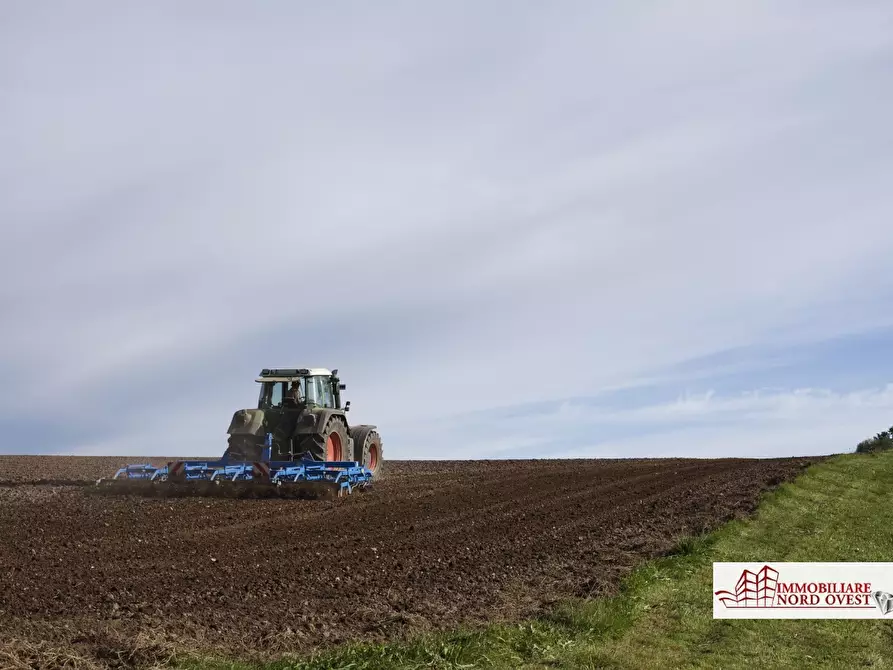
{"x":517,"y":228}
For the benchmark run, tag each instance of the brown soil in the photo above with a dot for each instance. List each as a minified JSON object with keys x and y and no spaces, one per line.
{"x":65,"y":469}
{"x":107,"y":581}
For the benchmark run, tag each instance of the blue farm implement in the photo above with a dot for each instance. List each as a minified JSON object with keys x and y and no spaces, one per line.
{"x":225,"y":478}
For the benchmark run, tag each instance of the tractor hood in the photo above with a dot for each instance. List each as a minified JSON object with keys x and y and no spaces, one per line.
{"x":247,"y":422}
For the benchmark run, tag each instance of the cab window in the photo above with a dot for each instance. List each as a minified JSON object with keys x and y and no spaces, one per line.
{"x":271,"y":394}
{"x":323,"y":391}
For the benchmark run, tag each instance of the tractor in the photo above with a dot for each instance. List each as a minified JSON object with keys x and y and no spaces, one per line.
{"x":296,"y":442}
{"x":300,"y":416}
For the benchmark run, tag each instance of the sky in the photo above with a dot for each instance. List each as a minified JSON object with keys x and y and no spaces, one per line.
{"x":518,"y":229}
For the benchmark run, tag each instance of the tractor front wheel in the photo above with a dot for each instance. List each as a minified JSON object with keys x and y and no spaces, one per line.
{"x":367,"y":448}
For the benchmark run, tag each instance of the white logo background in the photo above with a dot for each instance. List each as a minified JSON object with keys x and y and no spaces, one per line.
{"x":770,"y":590}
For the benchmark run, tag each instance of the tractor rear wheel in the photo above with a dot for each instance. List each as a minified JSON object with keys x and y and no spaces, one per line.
{"x":367,"y":448}
{"x":331,"y":444}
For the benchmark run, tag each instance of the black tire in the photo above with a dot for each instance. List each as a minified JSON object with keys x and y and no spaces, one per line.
{"x":243,"y":448}
{"x":318,"y":445}
{"x":367,"y":450}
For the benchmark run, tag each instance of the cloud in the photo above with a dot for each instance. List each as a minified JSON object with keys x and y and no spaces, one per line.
{"x":799,"y":423}
{"x":462,"y":208}
{"x":762,"y":423}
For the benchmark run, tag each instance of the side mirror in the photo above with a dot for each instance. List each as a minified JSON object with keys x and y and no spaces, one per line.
{"x":347,"y":406}
{"x":342,"y":386}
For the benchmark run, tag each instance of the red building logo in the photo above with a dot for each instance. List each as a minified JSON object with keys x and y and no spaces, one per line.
{"x":754,"y":589}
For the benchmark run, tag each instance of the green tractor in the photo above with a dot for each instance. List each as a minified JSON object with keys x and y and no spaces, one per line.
{"x":300,"y":410}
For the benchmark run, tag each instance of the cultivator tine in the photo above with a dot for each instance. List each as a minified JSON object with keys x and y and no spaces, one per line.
{"x":132,"y":478}
{"x":328,"y":479}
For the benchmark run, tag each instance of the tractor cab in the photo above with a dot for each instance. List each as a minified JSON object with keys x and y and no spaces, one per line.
{"x":300,"y":387}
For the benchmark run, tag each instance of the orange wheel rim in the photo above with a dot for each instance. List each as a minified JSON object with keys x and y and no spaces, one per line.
{"x":373,"y":456}
{"x":333,"y":447}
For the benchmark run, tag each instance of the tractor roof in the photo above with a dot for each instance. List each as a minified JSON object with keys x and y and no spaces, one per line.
{"x":289,"y":374}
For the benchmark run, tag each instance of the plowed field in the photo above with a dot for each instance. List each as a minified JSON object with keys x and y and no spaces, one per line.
{"x":434,"y":544}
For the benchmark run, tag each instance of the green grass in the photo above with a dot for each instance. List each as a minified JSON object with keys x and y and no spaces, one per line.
{"x":839,"y":510}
